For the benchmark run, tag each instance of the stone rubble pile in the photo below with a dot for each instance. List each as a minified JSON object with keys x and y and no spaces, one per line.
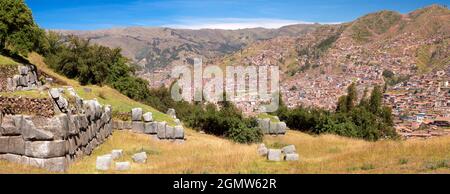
{"x":273,"y":128}
{"x":53,"y":143}
{"x":27,"y":79}
{"x":143,"y":123}
{"x":276,"y":155}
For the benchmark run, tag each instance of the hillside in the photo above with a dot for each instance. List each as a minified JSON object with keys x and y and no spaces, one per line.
{"x":158,"y":47}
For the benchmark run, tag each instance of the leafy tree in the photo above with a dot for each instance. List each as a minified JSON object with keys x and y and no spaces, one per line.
{"x":375,"y":100}
{"x":352,"y":96}
{"x":18,"y":31}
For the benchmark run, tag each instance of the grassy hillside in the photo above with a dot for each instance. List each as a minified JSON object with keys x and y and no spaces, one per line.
{"x":318,"y":154}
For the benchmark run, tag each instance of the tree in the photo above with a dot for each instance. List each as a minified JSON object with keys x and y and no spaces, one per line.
{"x":375,"y":100}
{"x":351,"y":96}
{"x":18,"y":31}
{"x":364,"y":102}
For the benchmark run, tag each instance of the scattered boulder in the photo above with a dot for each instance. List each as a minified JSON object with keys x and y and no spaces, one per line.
{"x":274,"y":155}
{"x":104,"y":162}
{"x":140,"y":157}
{"x":123,"y":166}
{"x":291,"y":157}
{"x":116,"y":154}
{"x":290,"y":149}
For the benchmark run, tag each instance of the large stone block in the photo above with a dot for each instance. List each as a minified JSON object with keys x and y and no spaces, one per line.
{"x":72,"y":145}
{"x":161,"y":133}
{"x":45,"y":149}
{"x":104,"y":162}
{"x":59,"y":126}
{"x":136,"y":114}
{"x":282,"y":128}
{"x":138,"y":126}
{"x":264,"y":125}
{"x":13,"y":158}
{"x":73,"y":125}
{"x":179,"y":132}
{"x":30,"y":132}
{"x":151,"y":128}
{"x":290,"y":149}
{"x":23,"y":70}
{"x":11,"y":125}
{"x":63,"y":104}
{"x":170,"y":132}
{"x":127,"y":125}
{"x":23,"y":81}
{"x":273,"y":129}
{"x":59,"y":164}
{"x":120,"y":125}
{"x":274,"y":155}
{"x":140,"y":157}
{"x":148,"y":117}
{"x":291,"y":157}
{"x":12,"y":145}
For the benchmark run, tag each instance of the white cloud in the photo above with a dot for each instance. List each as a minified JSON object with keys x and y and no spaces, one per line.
{"x":233,"y":23}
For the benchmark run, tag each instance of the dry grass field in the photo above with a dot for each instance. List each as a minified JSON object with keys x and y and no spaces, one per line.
{"x":324,"y":154}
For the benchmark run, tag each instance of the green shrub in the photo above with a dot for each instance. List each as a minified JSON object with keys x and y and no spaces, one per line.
{"x":243,"y":134}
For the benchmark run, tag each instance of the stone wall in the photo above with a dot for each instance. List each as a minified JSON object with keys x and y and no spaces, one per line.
{"x":53,"y":143}
{"x":26,"y":79}
{"x":6,"y":71}
{"x":273,"y":128}
{"x":143,"y":123}
{"x":24,"y":105}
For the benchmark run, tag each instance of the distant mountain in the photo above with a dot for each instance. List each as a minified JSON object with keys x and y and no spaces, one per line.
{"x":158,"y":47}
{"x":386,"y":38}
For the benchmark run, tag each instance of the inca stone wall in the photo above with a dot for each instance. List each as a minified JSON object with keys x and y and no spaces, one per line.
{"x":143,"y":123}
{"x":30,"y":106}
{"x":273,"y":128}
{"x":53,"y":143}
{"x":26,"y":79}
{"x":6,"y":71}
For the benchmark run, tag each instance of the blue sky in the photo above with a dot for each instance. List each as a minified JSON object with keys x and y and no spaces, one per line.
{"x":195,"y":14}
